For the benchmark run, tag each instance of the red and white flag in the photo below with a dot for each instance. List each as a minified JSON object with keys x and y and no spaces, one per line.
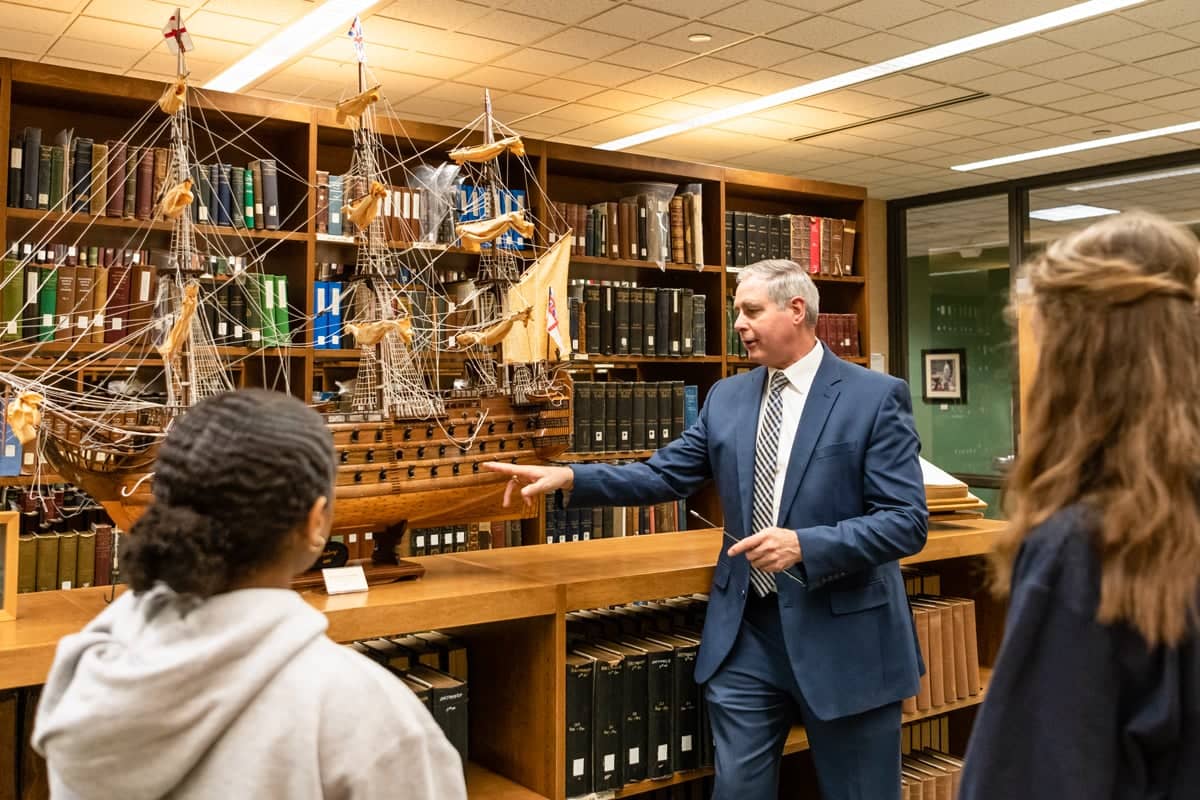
{"x":356,"y":36}
{"x":177,"y":36}
{"x":552,"y":327}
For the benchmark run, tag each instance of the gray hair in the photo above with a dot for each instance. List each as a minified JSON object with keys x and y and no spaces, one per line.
{"x":786,"y":279}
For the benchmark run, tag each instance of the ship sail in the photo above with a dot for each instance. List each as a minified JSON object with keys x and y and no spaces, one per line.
{"x":543,"y":287}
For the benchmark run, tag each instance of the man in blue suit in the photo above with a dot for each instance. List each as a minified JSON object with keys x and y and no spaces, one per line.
{"x":815,"y":461}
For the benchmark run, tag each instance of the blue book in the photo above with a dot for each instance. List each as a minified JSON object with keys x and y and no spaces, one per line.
{"x":10,"y":455}
{"x":691,"y":405}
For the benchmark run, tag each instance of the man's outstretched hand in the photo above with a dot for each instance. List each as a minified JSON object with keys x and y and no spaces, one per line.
{"x":531,"y":481}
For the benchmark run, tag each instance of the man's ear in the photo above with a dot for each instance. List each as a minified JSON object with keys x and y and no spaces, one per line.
{"x":798,"y":307}
{"x":316,"y":526}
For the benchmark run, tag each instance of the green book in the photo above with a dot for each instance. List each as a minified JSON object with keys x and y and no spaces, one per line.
{"x":44,"y":165}
{"x":58,"y":161}
{"x":68,"y":552}
{"x":282,"y":327}
{"x":133,"y":157}
{"x":47,"y":562}
{"x":47,"y":303}
{"x":27,"y":563}
{"x":12,"y":297}
{"x":248,"y":195}
{"x":85,"y":559}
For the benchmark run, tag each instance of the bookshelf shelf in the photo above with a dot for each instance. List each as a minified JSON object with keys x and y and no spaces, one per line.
{"x":597,"y":361}
{"x":629,"y":263}
{"x":482,"y":782}
{"x":582,"y":458}
{"x":89,"y":221}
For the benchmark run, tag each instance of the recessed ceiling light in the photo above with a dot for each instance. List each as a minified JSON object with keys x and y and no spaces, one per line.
{"x":1065,"y":213}
{"x":700,"y":37}
{"x":1090,"y":144}
{"x":1138,"y":178}
{"x":919,"y":58}
{"x":295,"y":38}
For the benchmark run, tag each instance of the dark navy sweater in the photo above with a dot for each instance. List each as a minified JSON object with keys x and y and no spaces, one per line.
{"x":1077,"y":710}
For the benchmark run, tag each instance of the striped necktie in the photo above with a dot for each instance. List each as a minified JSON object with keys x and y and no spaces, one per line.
{"x":765,"y":469}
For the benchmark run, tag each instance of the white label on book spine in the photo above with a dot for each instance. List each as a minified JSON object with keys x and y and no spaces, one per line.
{"x":47,"y":320}
{"x":11,"y":327}
{"x":577,"y":768}
{"x":10,"y":451}
{"x":635,"y":755}
{"x":368,"y":536}
{"x":71,"y":251}
{"x":335,"y":217}
{"x":43,"y":199}
{"x":222,"y":328}
{"x":98,"y":321}
{"x":258,"y":209}
{"x":255,"y":335}
{"x":352,"y":538}
{"x":273,"y":211}
{"x":610,"y":762}
{"x":14,"y":158}
{"x":31,"y":292}
{"x":237,"y":331}
{"x":118,"y":323}
{"x":685,"y":743}
{"x":144,"y":287}
{"x":663,"y":752}
{"x":66,"y":585}
{"x":81,"y":322}
{"x":204,"y":213}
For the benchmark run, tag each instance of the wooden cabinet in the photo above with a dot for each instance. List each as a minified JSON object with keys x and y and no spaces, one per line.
{"x":509,"y":606}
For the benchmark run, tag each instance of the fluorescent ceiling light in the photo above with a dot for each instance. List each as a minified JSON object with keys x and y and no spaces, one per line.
{"x":297,"y":37}
{"x":1066,"y":213}
{"x":919,"y":58}
{"x":1138,"y":178}
{"x":1091,"y":144}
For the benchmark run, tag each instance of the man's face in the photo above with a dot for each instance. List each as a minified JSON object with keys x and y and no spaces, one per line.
{"x":773,"y":336}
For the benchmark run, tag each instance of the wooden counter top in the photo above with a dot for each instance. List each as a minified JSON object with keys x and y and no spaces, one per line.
{"x":470,"y":589}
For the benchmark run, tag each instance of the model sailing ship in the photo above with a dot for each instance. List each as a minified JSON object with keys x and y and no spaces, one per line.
{"x":410,"y":450}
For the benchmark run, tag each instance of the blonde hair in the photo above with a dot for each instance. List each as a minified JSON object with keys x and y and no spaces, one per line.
{"x":1113,"y":415}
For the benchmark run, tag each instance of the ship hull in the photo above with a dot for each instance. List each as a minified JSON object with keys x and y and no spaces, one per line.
{"x":389,"y":471}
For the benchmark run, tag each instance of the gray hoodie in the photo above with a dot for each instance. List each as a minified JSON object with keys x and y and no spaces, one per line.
{"x":241,"y":695}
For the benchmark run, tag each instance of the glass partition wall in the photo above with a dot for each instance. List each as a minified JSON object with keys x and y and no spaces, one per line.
{"x":952,"y":259}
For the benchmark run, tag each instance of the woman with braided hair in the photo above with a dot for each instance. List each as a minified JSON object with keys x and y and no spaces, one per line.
{"x":1096,"y":691}
{"x":211,"y":678}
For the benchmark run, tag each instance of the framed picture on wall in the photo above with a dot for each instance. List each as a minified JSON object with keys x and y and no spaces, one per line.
{"x":944,"y":376}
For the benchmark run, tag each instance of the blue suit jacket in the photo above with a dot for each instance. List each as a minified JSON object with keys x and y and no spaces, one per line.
{"x":853,"y":493}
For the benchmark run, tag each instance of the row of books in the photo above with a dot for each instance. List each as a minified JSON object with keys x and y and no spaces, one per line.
{"x":930,"y":775}
{"x":65,"y":539}
{"x":824,"y":245}
{"x":104,"y":295}
{"x":609,"y":522}
{"x":641,"y":227}
{"x":120,"y":180}
{"x":946,"y":632}
{"x":464,"y":537}
{"x":621,"y":416}
{"x":435,"y":667}
{"x":621,"y":318}
{"x":474,"y":203}
{"x":399,"y":209}
{"x":634,"y":711}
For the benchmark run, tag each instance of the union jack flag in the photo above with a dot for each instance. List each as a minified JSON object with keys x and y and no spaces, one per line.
{"x":356,"y":35}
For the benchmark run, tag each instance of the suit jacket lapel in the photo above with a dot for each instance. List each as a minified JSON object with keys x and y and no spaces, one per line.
{"x":747,"y":436}
{"x":822,"y":396}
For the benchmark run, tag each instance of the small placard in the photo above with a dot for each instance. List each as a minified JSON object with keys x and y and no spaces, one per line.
{"x":344,"y":580}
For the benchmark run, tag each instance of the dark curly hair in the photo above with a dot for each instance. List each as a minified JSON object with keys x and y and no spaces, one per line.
{"x":233,"y":477}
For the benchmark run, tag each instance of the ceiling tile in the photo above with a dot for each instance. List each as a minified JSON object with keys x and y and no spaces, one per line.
{"x":324,"y":69}
{"x":939,"y":95}
{"x":1173,"y":64}
{"x":716,"y":97}
{"x":1152,"y":89}
{"x":1071,"y":122}
{"x":508,"y":27}
{"x":445,"y":14}
{"x":160,"y":64}
{"x":957,"y":70}
{"x":622,"y":125}
{"x":604,"y":74}
{"x":820,"y":33}
{"x":763,"y":81}
{"x":881,"y":47}
{"x":584,"y":43}
{"x":810,"y":117}
{"x":273,"y":11}
{"x":1124,"y":112}
{"x":99,"y":53}
{"x":508,"y":80}
{"x":557,"y":10}
{"x":1091,"y":34}
{"x":560,"y":89}
{"x":722,"y":37}
{"x":1005,"y":82}
{"x":516,"y":105}
{"x":457,"y":45}
{"x":1047,"y":93}
{"x":1011,"y":10}
{"x":664,"y":87}
{"x":581,"y":113}
{"x":1108,"y":79}
{"x":37,"y":20}
{"x":901,"y":86}
{"x":297,"y":86}
{"x":439,"y":109}
{"x":620,"y":100}
{"x":757,"y":16}
{"x":762,"y":53}
{"x":1164,"y":14}
{"x":1071,"y":66}
{"x":625,"y":20}
{"x":433,"y":66}
{"x":1088,"y":103}
{"x":541,"y":62}
{"x":24,"y":42}
{"x":54,"y":5}
{"x":1141,"y":48}
{"x":650,"y":57}
{"x":884,"y":15}
{"x":209,"y":24}
{"x":453,"y":92}
{"x":1023,"y":52}
{"x":689,"y":9}
{"x":118,"y":34}
{"x":545,"y":126}
{"x":815,"y":66}
{"x":1185,"y":101}
{"x":972,"y":127}
{"x":709,"y":70}
{"x":760,"y":126}
{"x":674,"y":111}
{"x":399,"y":85}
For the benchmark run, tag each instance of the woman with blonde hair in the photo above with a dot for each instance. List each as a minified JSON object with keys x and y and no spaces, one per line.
{"x":1096,"y":691}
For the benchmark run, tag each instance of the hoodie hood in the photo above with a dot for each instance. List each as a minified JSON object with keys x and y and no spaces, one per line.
{"x":136,"y":699}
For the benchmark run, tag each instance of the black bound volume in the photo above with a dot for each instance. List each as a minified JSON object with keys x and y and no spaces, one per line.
{"x":633,"y":702}
{"x":608,"y":717}
{"x":580,"y":676}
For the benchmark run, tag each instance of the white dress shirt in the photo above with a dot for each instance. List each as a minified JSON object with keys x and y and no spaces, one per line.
{"x":800,"y":377}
